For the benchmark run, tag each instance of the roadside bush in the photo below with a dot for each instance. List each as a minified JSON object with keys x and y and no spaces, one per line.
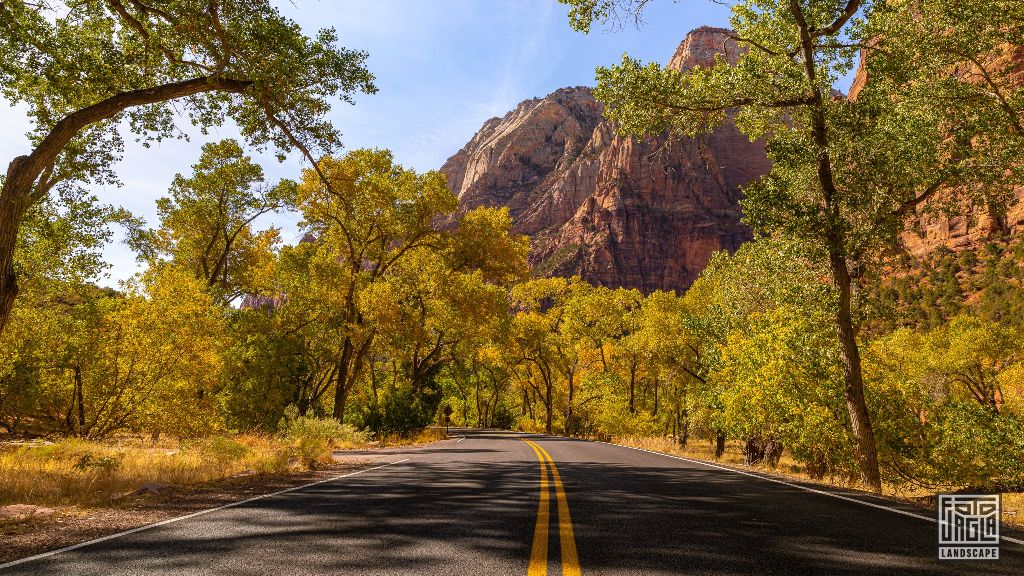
{"x":312,"y":440}
{"x":222,"y":449}
{"x":402,"y":409}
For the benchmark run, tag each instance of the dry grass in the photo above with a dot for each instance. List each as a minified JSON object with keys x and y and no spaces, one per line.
{"x":424,"y":436}
{"x":87,"y":473}
{"x":697,"y":449}
{"x":90,"y":473}
{"x":1013,"y":508}
{"x":1012,"y":503}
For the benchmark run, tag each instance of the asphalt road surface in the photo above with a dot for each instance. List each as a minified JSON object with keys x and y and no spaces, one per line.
{"x":485,"y":504}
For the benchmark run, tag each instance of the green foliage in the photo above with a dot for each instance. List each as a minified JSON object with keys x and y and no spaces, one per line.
{"x":223,"y":449}
{"x":206,"y":224}
{"x":313,"y":439}
{"x":148,"y":360}
{"x":267,"y":368}
{"x":401,"y":408}
{"x":768,"y":350}
{"x":780,"y":380}
{"x":928,"y":291}
{"x":98,"y":463}
{"x":58,"y":60}
{"x":949,"y":405}
{"x":62,"y":239}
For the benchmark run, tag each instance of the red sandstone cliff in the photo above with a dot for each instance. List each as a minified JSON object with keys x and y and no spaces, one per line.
{"x":618,"y":212}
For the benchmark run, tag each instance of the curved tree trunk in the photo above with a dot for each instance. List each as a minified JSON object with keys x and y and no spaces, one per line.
{"x":30,"y":177}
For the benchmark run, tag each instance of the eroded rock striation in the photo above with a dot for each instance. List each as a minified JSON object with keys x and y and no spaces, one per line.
{"x":644,"y":214}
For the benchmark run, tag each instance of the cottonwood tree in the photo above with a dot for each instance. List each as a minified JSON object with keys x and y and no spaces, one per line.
{"x":364,"y":215}
{"x":452,"y":291}
{"x":939,"y":117}
{"x":90,"y":72}
{"x":558,"y":335}
{"x":207,"y":220}
{"x":59,"y":253}
{"x":951,"y":404}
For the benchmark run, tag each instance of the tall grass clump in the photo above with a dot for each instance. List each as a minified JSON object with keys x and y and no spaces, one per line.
{"x":313,"y":440}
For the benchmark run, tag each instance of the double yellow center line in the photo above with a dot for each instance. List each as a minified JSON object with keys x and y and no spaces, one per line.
{"x":567,"y":541}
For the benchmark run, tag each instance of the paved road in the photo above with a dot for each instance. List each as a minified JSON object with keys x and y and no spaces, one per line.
{"x":471,"y":506}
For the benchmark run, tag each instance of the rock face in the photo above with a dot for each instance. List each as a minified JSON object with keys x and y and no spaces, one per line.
{"x":619,"y":212}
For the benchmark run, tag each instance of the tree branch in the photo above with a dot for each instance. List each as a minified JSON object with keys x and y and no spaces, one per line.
{"x":739,"y":102}
{"x":61,"y":134}
{"x":930,"y":191}
{"x":851,"y":8}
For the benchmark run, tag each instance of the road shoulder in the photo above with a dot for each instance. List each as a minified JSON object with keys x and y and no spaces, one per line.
{"x":73,"y":525}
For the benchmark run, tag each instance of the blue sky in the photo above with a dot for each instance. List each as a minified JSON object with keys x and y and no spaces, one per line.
{"x":442,"y":67}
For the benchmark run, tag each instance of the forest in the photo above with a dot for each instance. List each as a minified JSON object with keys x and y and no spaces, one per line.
{"x":822,"y":342}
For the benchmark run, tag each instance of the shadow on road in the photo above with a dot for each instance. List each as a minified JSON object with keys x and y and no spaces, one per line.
{"x":473,"y":513}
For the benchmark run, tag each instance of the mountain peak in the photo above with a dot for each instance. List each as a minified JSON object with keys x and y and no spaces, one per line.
{"x":700,"y":47}
{"x":639,"y":213}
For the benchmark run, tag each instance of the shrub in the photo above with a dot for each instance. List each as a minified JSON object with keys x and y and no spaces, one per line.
{"x":402,"y":409}
{"x":312,"y":440}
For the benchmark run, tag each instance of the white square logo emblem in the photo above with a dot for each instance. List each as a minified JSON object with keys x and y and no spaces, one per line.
{"x":968,"y":526}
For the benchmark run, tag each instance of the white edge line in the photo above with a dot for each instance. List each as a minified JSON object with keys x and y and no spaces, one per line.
{"x":188,"y":516}
{"x":790,"y":484}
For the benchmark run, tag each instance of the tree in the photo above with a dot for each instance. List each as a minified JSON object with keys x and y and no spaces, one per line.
{"x":207,"y":221}
{"x":949,"y":405}
{"x":846,"y":173}
{"x":58,"y":256}
{"x":972,"y":354}
{"x":101,"y":362}
{"x":87,"y":70}
{"x":769,"y":366}
{"x":534,"y":329}
{"x":364,"y":215}
{"x":669,"y":345}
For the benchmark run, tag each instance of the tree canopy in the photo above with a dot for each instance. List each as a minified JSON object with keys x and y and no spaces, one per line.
{"x":90,"y":72}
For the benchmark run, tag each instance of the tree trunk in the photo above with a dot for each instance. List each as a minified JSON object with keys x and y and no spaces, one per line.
{"x":80,"y":393}
{"x":350,"y":367}
{"x":340,"y":399}
{"x":568,"y":408}
{"x":632,"y":388}
{"x":656,"y":396}
{"x":14,"y":202}
{"x":684,"y":412}
{"x":492,"y":407}
{"x":479,"y":408}
{"x":684,"y":417}
{"x":547,"y":403}
{"x":860,"y":420}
